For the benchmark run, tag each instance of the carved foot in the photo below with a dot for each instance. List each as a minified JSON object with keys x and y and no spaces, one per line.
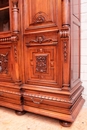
{"x":65,"y":123}
{"x":20,"y":112}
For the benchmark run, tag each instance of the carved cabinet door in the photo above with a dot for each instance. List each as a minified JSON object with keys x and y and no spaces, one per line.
{"x":8,"y":40}
{"x":42,"y":48}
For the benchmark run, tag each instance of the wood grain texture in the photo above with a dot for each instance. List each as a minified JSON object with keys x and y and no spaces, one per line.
{"x":40,"y":58}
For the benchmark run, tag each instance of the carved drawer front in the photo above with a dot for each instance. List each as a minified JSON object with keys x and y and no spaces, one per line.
{"x":39,"y":16}
{"x":47,"y":101}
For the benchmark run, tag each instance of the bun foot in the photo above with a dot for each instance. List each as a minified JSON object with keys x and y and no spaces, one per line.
{"x":65,"y":123}
{"x":20,"y":112}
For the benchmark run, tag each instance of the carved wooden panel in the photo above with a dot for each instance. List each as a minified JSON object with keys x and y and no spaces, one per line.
{"x":38,"y":15}
{"x":40,"y":65}
{"x":6,"y":63}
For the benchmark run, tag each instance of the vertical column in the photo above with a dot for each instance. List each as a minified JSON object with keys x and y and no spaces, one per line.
{"x":15,"y":16}
{"x":16,"y":43}
{"x":65,"y":41}
{"x":65,"y":12}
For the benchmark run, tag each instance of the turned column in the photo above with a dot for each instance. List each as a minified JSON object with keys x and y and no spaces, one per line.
{"x":65,"y":12}
{"x":15,"y":16}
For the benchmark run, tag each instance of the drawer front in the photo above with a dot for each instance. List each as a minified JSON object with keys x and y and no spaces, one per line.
{"x":41,"y":98}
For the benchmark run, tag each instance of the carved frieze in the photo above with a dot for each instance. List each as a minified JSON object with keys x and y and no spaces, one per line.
{"x":40,"y":40}
{"x":4,"y":63}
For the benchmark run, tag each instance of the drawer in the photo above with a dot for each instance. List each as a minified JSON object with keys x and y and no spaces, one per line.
{"x":10,"y":94}
{"x":37,"y":98}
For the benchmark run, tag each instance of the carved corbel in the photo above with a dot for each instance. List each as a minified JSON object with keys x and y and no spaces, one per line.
{"x":15,"y":15}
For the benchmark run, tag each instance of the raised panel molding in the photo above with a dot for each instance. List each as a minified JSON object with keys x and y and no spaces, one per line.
{"x":37,"y":15}
{"x":41,"y":64}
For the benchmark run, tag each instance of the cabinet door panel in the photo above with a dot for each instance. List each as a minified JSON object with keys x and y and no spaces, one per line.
{"x":6,"y":63}
{"x":41,"y":66}
{"x":39,"y":15}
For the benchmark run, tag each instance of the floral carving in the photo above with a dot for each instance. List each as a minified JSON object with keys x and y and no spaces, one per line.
{"x":4,"y":63}
{"x":41,"y":64}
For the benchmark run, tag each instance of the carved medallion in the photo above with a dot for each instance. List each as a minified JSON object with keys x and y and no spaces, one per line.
{"x":40,"y":17}
{"x":41,"y":64}
{"x":4,"y":63}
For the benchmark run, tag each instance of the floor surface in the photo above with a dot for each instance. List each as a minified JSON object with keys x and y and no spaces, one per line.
{"x":10,"y":121}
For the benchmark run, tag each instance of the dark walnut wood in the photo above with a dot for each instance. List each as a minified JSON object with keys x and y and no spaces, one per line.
{"x":40,"y":58}
{"x":65,"y":123}
{"x":20,"y":113}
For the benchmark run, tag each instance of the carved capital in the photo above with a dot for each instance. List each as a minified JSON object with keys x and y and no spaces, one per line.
{"x":64,"y":33}
{"x":9,"y":39}
{"x":14,"y":38}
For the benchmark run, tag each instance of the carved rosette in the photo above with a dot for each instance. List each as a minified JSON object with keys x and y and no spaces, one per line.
{"x":4,"y":63}
{"x":39,"y":18}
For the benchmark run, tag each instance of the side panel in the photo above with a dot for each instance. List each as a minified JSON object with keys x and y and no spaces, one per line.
{"x":75,"y":43}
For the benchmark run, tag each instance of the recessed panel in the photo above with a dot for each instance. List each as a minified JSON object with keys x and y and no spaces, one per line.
{"x":75,"y":53}
{"x":76,"y":8}
{"x":38,"y":14}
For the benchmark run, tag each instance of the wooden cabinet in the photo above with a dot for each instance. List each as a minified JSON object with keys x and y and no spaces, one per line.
{"x":40,"y":57}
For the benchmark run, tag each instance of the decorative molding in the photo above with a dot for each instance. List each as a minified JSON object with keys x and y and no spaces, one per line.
{"x":10,"y":92}
{"x":15,"y":52}
{"x":4,"y":63}
{"x":64,"y":33}
{"x":42,"y":97}
{"x":9,"y":39}
{"x":65,"y":51}
{"x":40,"y":40}
{"x":41,"y":64}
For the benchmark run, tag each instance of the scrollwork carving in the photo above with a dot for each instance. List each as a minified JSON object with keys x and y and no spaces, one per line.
{"x":40,"y":17}
{"x":40,"y":39}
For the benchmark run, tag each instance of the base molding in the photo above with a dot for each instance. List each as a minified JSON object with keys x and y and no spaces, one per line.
{"x":66,"y":119}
